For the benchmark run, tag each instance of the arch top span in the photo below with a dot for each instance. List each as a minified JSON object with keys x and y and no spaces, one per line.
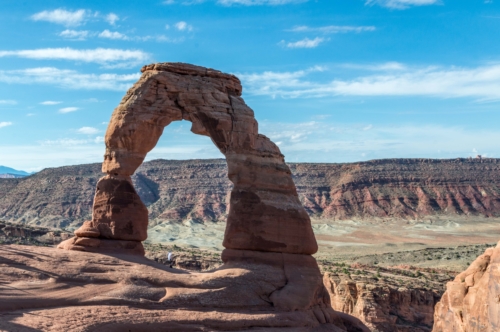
{"x":265,"y":212}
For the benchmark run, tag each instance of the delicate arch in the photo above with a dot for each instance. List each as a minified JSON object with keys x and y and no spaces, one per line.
{"x":265,"y":212}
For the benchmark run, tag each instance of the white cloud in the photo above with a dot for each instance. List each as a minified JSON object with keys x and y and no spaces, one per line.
{"x":183,"y":26}
{"x":340,"y":142}
{"x":30,"y":114}
{"x":451,"y":82}
{"x":5,"y":124}
{"x":68,"y":110}
{"x":236,"y":2}
{"x":88,"y":130}
{"x":63,"y":17}
{"x":333,"y":29}
{"x":304,"y":43}
{"x":8,"y":102}
{"x":258,"y":2}
{"x":112,"y":35}
{"x":69,"y":79}
{"x":111,"y":18}
{"x":402,"y":4}
{"x":75,"y":34}
{"x":50,"y":102}
{"x":387,"y":66}
{"x":104,"y":56}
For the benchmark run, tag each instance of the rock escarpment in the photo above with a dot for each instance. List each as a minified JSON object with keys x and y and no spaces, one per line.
{"x":403,"y":188}
{"x":471,"y":302}
{"x":383,"y":307}
{"x":268,"y":239}
{"x":199,"y":190}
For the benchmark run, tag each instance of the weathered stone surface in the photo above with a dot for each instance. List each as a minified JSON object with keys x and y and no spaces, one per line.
{"x":471,"y":302}
{"x":59,"y":290}
{"x":118,"y":211}
{"x":382,"y":307}
{"x":265,"y":212}
{"x":199,"y":190}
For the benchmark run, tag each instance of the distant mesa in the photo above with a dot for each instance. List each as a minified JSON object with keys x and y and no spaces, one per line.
{"x":199,"y":190}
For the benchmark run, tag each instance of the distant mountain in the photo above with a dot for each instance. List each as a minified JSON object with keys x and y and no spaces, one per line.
{"x":198,"y":190}
{"x":12,"y":172}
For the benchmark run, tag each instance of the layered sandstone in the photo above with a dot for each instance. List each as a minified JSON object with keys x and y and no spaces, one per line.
{"x":199,"y":190}
{"x":471,"y":302}
{"x":383,"y":306}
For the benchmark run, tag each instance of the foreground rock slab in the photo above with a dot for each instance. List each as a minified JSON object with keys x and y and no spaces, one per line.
{"x":471,"y":302}
{"x":60,"y":290}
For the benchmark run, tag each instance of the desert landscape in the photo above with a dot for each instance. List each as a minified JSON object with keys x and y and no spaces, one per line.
{"x":249,"y":165}
{"x":388,"y":236}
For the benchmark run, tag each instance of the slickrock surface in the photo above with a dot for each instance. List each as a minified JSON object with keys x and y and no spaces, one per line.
{"x":199,"y":190}
{"x":382,"y":294}
{"x":59,"y":290}
{"x":471,"y":302}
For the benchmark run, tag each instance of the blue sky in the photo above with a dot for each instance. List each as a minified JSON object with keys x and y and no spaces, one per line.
{"x":329,"y":80}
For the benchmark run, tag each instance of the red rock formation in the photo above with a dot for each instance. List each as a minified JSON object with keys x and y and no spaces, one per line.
{"x":471,"y":302}
{"x":269,"y":238}
{"x":382,"y":307}
{"x":180,"y":190}
{"x":265,"y":212}
{"x":401,"y":188}
{"x":59,"y":290}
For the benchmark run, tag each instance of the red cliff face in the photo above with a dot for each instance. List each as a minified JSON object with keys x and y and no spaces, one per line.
{"x":199,"y":190}
{"x":403,"y":188}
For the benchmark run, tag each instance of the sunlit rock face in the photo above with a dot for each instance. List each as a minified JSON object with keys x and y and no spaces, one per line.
{"x":268,"y":239}
{"x":265,"y":212}
{"x":472,"y":301}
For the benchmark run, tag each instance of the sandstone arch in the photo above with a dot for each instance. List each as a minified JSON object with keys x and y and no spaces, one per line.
{"x":265,"y":212}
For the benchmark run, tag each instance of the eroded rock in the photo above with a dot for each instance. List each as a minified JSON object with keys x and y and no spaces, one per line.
{"x":472,"y":301}
{"x":61,"y":290}
{"x":382,"y":307}
{"x":269,"y":238}
{"x":265,"y":212}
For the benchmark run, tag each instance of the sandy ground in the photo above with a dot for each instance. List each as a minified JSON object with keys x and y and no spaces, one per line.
{"x":351,"y":240}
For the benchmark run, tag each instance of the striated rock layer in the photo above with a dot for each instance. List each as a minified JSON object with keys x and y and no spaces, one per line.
{"x":471,"y":302}
{"x":199,"y":190}
{"x":383,"y":307}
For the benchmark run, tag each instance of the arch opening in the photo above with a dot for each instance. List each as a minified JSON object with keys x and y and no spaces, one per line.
{"x":178,"y":142}
{"x":265,"y":213}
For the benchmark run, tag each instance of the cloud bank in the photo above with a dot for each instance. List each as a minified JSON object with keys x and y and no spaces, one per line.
{"x":69,"y":79}
{"x":392,"y":80}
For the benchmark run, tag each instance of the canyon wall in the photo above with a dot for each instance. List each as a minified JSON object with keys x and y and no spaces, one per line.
{"x":199,"y":190}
